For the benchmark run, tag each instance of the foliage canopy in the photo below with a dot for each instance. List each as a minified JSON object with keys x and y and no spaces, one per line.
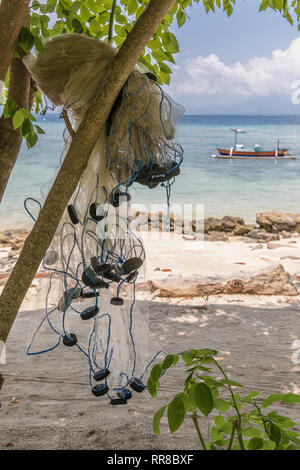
{"x":112,"y":20}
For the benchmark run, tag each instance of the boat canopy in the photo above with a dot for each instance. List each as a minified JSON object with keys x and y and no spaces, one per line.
{"x":239,"y":131}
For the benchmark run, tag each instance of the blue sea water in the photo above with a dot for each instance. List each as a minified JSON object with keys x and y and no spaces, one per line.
{"x":233,"y":187}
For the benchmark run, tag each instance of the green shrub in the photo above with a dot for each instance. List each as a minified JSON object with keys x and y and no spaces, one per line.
{"x":240,"y":424}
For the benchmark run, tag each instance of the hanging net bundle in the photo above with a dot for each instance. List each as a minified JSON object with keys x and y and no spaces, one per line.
{"x":95,"y":258}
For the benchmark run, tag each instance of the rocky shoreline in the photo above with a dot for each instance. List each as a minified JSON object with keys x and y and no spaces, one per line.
{"x":269,"y":226}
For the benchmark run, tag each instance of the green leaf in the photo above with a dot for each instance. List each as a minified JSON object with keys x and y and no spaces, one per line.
{"x":168,"y":361}
{"x":255,"y":443}
{"x":39,"y":130}
{"x":281,"y":421}
{"x":275,"y":433}
{"x":176,"y":359}
{"x":176,"y":413}
{"x":215,"y":434}
{"x":220,"y":421}
{"x":164,"y":67}
{"x":269,"y":445}
{"x":26,"y":39}
{"x":38,"y":44}
{"x":9,"y":108}
{"x":264,"y":5}
{"x":18,"y":119}
{"x":84,"y":13}
{"x":170,"y":42}
{"x":251,"y":431}
{"x":157,"y":418}
{"x":95,"y":26}
{"x":31,"y":139}
{"x":221,"y":405}
{"x":132,"y":7}
{"x":204,"y":398}
{"x":181,"y":18}
{"x":26,"y":127}
{"x":16,"y":55}
{"x":76,"y":25}
{"x":227,"y":428}
{"x":188,"y":357}
{"x":271,"y":399}
{"x":155,"y":373}
{"x":151,"y":387}
{"x":170,"y":57}
{"x":290,"y":398}
{"x":92,"y":4}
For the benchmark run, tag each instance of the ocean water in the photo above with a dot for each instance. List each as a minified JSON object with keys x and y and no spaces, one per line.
{"x":233,"y":187}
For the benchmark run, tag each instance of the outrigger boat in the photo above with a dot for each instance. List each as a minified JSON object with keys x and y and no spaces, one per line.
{"x":238,"y":151}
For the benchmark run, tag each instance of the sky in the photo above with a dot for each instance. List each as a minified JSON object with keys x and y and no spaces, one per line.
{"x":244,"y":64}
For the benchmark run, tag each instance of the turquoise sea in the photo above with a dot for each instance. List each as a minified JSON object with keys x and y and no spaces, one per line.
{"x":235,"y":187}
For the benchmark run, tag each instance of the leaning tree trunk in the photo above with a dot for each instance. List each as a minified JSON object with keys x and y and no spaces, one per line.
{"x":76,"y":161}
{"x":12,"y":14}
{"x":10,"y":139}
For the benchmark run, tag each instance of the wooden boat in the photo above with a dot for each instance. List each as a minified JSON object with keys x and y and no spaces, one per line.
{"x":238,"y":151}
{"x":253,"y":153}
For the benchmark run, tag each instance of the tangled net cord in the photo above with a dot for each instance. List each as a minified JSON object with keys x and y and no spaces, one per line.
{"x":116,"y":259}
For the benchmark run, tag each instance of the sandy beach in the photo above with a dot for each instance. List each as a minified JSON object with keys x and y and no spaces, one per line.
{"x":46,"y":401}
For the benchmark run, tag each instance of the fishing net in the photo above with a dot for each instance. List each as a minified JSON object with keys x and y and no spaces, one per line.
{"x":95,"y":258}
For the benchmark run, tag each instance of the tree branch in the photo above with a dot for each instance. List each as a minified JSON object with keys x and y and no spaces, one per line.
{"x":10,"y":139}
{"x":12,"y":14}
{"x":76,"y":161}
{"x":111,"y":22}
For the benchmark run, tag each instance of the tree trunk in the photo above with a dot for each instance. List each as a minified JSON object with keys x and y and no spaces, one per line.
{"x":76,"y":161}
{"x":274,"y":281}
{"x":10,"y":139}
{"x":12,"y":14}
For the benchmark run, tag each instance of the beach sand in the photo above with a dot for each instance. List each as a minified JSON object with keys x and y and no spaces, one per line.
{"x":54,"y":408}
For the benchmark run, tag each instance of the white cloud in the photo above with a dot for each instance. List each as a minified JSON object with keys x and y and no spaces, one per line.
{"x":259,"y":76}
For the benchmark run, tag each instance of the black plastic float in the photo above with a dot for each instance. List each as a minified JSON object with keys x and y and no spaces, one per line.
{"x":116,"y":301}
{"x":99,"y":268}
{"x":93,"y":213}
{"x":155,"y":174}
{"x":118,"y":401}
{"x":89,"y":312}
{"x":100,"y":390}
{"x":132,"y":264}
{"x":117,"y":195}
{"x":72,"y":214}
{"x":101,"y":374}
{"x":70,"y":340}
{"x":131,"y":276}
{"x":90,"y":280}
{"x":68,"y":296}
{"x":89,"y":294}
{"x":137,"y":385}
{"x":111,"y":276}
{"x":125,"y":393}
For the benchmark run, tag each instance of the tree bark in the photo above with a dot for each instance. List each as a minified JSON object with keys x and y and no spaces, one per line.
{"x":10,"y":139}
{"x":76,"y":161}
{"x":12,"y":14}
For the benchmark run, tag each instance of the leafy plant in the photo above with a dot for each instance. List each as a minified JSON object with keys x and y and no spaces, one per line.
{"x":23,"y":120}
{"x":237,"y":422}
